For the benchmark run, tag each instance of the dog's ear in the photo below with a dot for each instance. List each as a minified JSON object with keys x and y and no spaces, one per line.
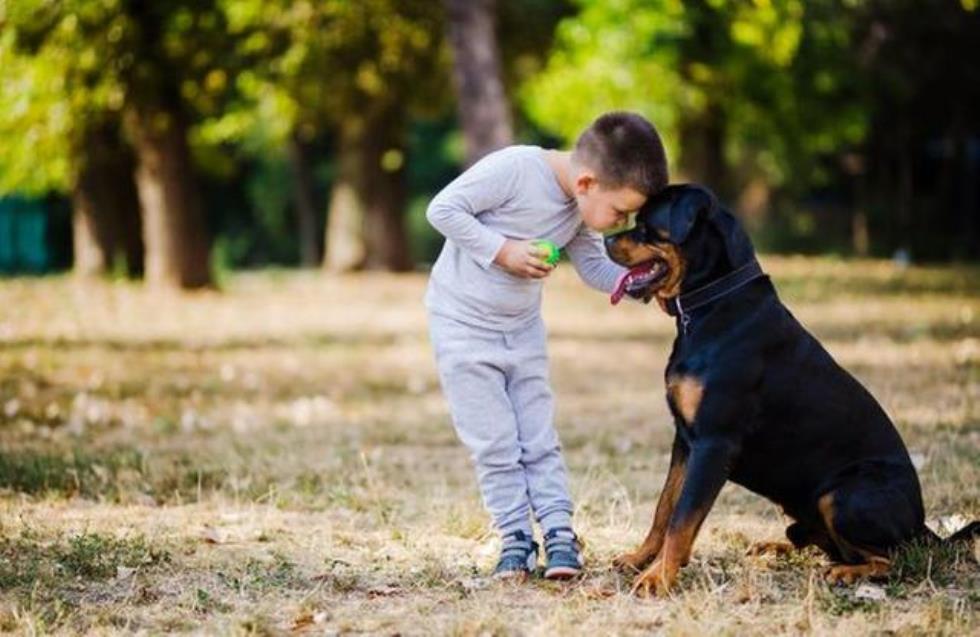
{"x":690,"y":204}
{"x":673,"y":212}
{"x":738,"y":246}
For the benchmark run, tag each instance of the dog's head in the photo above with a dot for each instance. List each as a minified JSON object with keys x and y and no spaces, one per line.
{"x":682,"y":240}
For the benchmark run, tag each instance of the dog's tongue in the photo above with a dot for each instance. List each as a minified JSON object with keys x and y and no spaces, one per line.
{"x":624,"y":281}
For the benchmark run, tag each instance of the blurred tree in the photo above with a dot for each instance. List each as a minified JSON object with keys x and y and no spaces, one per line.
{"x":106,"y":223}
{"x":155,"y":66}
{"x":355,"y":71}
{"x":61,"y":133}
{"x":484,"y":111}
{"x":744,"y":93}
{"x":920,"y":164}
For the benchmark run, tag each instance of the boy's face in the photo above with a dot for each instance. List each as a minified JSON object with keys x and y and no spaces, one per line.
{"x":605,"y":208}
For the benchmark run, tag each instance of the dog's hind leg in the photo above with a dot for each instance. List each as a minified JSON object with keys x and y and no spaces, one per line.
{"x":800,"y":536}
{"x":866,"y":523}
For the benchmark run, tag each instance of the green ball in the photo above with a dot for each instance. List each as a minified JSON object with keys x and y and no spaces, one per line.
{"x":553,"y":251}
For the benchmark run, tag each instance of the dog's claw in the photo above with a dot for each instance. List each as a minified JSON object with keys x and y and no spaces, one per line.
{"x":630,"y":562}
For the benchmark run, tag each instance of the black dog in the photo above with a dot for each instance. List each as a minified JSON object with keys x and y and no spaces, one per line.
{"x":757,"y":400}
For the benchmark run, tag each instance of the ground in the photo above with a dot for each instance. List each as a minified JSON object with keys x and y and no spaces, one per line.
{"x":277,"y":457}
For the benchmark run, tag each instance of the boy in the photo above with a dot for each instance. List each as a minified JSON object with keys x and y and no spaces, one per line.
{"x":484,"y":299}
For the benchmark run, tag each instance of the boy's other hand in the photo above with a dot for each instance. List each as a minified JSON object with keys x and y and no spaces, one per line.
{"x":522,"y":259}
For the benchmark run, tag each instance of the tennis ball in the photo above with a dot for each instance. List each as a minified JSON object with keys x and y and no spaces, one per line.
{"x":553,"y":253}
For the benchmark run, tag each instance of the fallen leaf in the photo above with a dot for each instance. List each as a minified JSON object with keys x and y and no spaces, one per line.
{"x":870,"y":591}
{"x":214,"y":536}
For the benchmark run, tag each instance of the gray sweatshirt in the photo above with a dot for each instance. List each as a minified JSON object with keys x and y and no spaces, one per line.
{"x":512,"y":193}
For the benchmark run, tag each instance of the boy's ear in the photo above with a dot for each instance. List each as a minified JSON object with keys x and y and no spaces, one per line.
{"x":585,"y":180}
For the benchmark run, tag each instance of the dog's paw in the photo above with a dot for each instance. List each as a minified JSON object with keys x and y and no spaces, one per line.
{"x":632,"y":562}
{"x":657,"y":580}
{"x":851,"y":573}
{"x":770,"y":548}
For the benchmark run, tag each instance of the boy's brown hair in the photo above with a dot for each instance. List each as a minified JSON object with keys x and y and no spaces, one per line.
{"x":624,"y":149}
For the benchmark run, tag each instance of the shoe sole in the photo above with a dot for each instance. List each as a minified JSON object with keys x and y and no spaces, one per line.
{"x":562,"y":572}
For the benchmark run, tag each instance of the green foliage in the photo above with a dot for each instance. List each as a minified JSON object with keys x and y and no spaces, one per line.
{"x":316,"y":64}
{"x":619,"y":55}
{"x":778,"y":73}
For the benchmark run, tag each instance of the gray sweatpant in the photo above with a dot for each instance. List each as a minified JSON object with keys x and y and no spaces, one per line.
{"x":502,"y":408}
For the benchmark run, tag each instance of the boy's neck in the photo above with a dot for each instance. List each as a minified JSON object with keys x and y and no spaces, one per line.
{"x":561,"y":162}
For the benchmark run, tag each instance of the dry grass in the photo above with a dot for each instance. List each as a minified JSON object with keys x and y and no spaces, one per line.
{"x":279,"y":458}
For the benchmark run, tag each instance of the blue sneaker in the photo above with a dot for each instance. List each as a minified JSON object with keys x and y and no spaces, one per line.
{"x":564,"y":554}
{"x":518,"y":558}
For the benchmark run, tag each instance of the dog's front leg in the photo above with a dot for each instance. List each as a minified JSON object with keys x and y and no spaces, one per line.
{"x":638,"y":559}
{"x":706,"y":472}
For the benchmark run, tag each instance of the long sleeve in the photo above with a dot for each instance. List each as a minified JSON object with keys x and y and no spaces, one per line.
{"x":588,"y":255}
{"x":454,"y":211}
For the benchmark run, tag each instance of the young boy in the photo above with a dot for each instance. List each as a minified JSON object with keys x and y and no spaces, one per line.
{"x":484,"y":300}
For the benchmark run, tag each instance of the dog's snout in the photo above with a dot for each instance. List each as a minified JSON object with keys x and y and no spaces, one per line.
{"x":621,"y":245}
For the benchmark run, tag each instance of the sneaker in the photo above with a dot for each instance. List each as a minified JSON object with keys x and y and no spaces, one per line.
{"x":518,"y":558}
{"x":564,"y":554}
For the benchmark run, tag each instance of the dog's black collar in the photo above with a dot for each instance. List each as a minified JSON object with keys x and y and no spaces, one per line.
{"x":683,"y":304}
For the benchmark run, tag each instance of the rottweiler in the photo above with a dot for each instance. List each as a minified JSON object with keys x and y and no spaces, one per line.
{"x":757,"y":400}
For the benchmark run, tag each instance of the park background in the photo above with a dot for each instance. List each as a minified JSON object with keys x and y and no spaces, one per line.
{"x":218,"y":408}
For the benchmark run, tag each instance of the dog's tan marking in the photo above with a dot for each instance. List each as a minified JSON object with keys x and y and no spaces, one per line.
{"x":676,"y":267}
{"x":875,"y":565}
{"x":630,"y":253}
{"x":686,"y":393}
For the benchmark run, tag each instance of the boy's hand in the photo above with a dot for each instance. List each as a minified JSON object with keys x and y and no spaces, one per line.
{"x":522,"y":259}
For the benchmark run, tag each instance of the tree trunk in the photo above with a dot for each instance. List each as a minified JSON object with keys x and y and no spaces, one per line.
{"x":174,"y":229}
{"x":365,"y":222}
{"x":703,"y":150}
{"x":305,"y":209}
{"x":345,"y":245}
{"x":483,"y":109}
{"x":105,"y":206}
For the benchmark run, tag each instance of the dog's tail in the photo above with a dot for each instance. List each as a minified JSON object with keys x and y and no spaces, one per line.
{"x":968,"y":532}
{"x":965,"y":534}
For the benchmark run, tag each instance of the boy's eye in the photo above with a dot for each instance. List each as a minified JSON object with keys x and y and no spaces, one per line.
{"x":624,"y":221}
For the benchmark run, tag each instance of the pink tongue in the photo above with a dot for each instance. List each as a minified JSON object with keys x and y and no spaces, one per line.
{"x":624,"y":280}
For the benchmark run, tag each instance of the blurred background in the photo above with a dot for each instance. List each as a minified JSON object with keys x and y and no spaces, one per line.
{"x":274,"y":452}
{"x":175,"y":141}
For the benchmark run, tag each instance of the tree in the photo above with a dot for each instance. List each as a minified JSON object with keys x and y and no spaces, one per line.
{"x":747,"y":95}
{"x":106,"y":225}
{"x":353,"y":71}
{"x":484,"y":111}
{"x":62,"y":134}
{"x":155,"y":66}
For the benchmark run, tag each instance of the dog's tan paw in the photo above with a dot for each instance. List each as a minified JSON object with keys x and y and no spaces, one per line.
{"x":851,"y":573}
{"x":632,"y":562}
{"x":770,"y":548}
{"x":655,"y":581}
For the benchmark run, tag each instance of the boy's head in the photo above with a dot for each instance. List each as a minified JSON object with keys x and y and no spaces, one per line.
{"x":618,"y":162}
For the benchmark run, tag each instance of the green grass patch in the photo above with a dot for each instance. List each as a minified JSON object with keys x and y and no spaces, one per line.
{"x":27,"y":562}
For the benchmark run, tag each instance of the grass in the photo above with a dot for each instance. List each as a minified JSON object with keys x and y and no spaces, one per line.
{"x":279,"y":458}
